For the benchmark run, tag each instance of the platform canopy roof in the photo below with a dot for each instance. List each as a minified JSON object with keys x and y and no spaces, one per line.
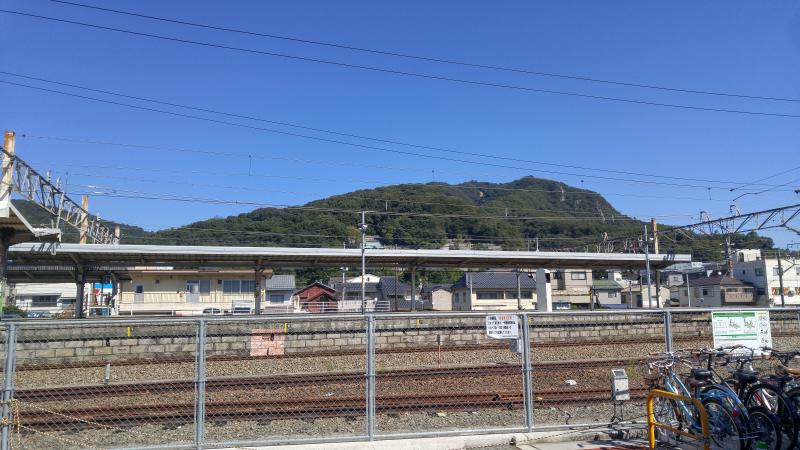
{"x":19,"y":229}
{"x":118,"y":257}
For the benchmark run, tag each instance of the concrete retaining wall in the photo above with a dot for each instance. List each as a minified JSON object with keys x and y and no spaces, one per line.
{"x":69,"y":344}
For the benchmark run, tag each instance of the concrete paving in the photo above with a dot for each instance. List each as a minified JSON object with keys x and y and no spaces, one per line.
{"x":522,"y":441}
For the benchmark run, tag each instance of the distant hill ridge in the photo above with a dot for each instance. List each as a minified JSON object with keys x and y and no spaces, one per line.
{"x":433,"y":215}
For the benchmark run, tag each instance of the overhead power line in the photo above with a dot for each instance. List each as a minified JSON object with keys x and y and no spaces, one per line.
{"x":360,"y":136}
{"x":376,"y":201}
{"x":404,"y":73}
{"x":352,"y":144}
{"x":426,"y":58}
{"x":479,"y":186}
{"x":120,"y":193}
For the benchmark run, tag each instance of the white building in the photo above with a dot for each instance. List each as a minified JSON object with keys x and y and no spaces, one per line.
{"x":764,"y":275}
{"x":51,"y":298}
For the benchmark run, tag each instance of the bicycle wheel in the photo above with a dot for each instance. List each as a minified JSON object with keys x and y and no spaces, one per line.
{"x":765,"y":429}
{"x":725,"y":431}
{"x":779,"y":404}
{"x":666,"y":411}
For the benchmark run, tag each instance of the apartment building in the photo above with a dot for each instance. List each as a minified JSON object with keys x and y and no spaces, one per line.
{"x":765,"y":275}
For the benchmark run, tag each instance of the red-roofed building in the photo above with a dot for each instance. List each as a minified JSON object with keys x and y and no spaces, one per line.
{"x":317,"y":298}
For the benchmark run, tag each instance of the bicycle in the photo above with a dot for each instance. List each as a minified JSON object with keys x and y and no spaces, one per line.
{"x":725,"y":429}
{"x":764,"y":392}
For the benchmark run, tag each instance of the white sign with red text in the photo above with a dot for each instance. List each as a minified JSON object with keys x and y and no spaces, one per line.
{"x":502,"y":326}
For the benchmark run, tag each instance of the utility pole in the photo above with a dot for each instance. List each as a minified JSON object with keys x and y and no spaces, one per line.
{"x":688,"y":290}
{"x":363,"y":228}
{"x":654,"y":229}
{"x":647,"y":264}
{"x":780,"y":279}
{"x":519,"y":292}
{"x":413,"y":288}
{"x":5,"y":208}
{"x":84,"y":231}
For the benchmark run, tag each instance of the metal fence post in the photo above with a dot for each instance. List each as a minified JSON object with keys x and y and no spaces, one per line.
{"x":8,"y":384}
{"x":527,"y":384}
{"x":200,"y":385}
{"x":370,"y":376}
{"x":668,"y":330}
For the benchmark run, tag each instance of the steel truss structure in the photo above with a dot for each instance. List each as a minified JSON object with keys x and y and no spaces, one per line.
{"x":32,"y":186}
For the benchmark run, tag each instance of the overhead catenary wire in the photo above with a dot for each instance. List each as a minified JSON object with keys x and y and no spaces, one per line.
{"x":170,"y":197}
{"x":352,"y":144}
{"x":379,"y":200}
{"x":362,"y":136}
{"x":426,"y":58}
{"x":406,"y":73}
{"x":483,"y":186}
{"x":477,"y":186}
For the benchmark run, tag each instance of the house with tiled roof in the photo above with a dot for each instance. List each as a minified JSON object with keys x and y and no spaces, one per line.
{"x":439,"y":296}
{"x":716,"y":290}
{"x":606,"y":293}
{"x":397,"y":295}
{"x":490,"y":291}
{"x":316,"y":298}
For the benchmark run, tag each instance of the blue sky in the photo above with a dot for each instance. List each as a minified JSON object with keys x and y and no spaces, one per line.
{"x":750,"y":48}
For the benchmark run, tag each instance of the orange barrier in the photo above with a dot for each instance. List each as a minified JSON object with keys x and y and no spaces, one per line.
{"x":652,"y":424}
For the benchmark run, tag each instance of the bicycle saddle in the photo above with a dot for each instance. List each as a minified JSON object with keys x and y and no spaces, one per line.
{"x":745,"y":376}
{"x":701,"y":374}
{"x":790,"y":370}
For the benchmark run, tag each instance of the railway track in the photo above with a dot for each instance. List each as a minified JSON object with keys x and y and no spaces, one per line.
{"x":66,"y":393}
{"x":304,"y":408}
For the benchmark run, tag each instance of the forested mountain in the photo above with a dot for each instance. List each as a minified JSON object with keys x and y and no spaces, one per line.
{"x":509,"y":216}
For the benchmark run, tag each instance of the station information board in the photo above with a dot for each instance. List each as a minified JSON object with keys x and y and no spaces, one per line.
{"x":748,"y":328}
{"x":502,"y":326}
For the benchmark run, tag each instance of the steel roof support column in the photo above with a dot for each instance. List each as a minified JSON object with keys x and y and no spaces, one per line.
{"x":5,"y":238}
{"x":80,"y":283}
{"x":259,"y":276}
{"x":413,"y":287}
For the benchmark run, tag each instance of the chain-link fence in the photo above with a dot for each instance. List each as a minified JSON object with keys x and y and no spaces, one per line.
{"x":244,"y":381}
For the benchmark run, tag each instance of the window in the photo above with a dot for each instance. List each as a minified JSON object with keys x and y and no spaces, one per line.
{"x":522,"y":294}
{"x":577,"y":275}
{"x":248,"y":286}
{"x":759,"y":272}
{"x":139,"y":289}
{"x":556,"y":275}
{"x":44,"y":300}
{"x":527,"y":294}
{"x":192,"y":286}
{"x":277,"y":298}
{"x":706,"y":291}
{"x":231,"y":286}
{"x":761,"y":291}
{"x":490,"y":295}
{"x":238,"y":286}
{"x":205,"y":286}
{"x":797,"y":270}
{"x":65,"y":301}
{"x":612,"y":294}
{"x":744,"y":272}
{"x":776,"y":271}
